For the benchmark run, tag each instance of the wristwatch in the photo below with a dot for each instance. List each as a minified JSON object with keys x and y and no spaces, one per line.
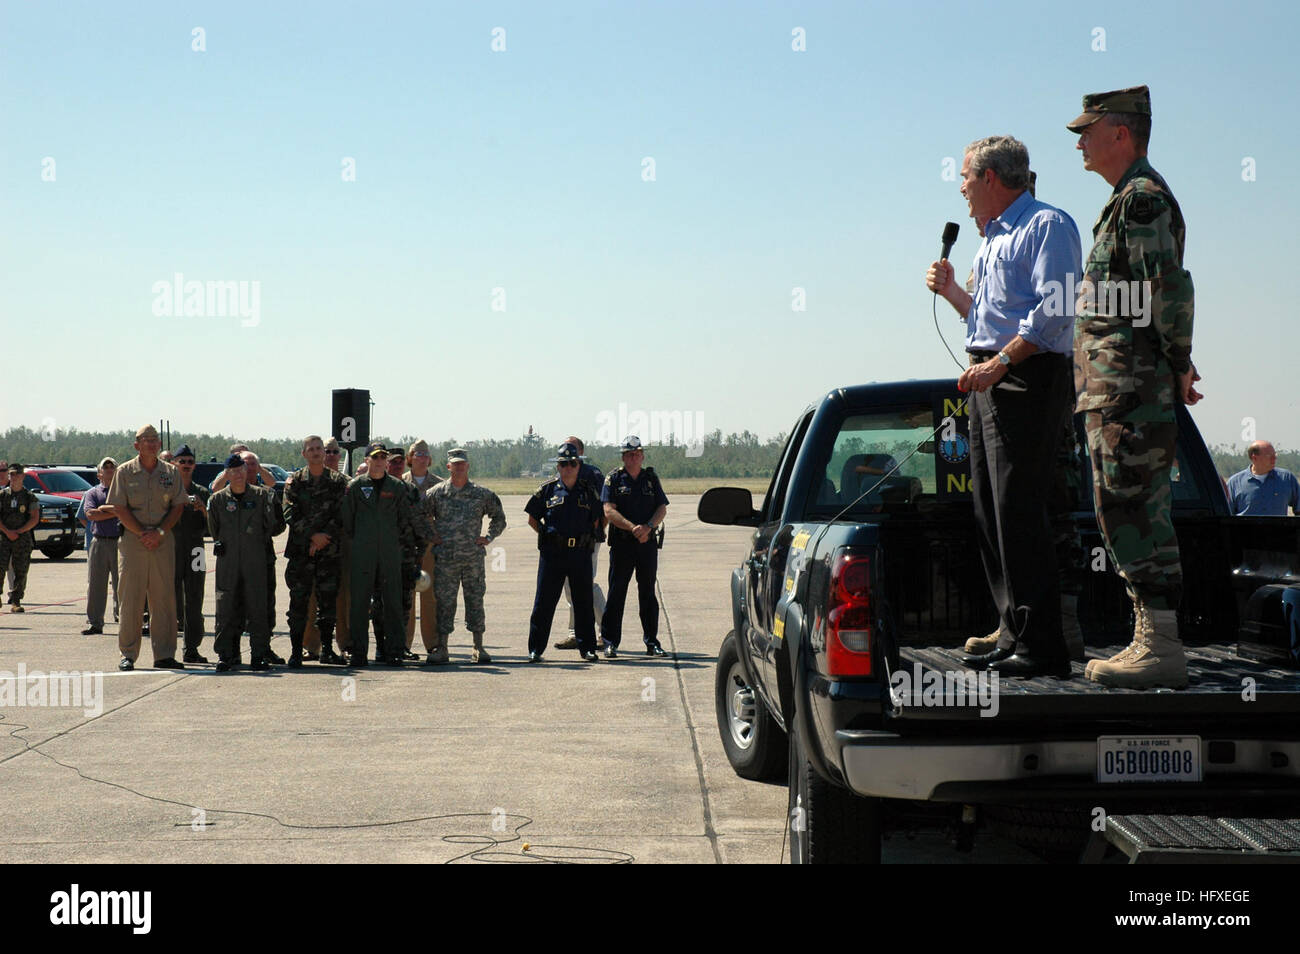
{"x":1004,"y":358}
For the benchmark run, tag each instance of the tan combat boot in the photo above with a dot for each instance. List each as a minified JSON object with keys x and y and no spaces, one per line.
{"x":983,"y":645}
{"x":479,"y":655}
{"x":1155,"y":657}
{"x":439,"y":655}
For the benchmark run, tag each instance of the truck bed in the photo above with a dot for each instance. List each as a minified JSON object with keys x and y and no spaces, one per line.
{"x":1218,"y":684}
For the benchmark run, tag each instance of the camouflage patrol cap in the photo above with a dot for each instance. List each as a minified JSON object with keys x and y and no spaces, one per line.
{"x":1135,"y":99}
{"x":147,"y":431}
{"x":457,"y":455}
{"x":419,"y":447}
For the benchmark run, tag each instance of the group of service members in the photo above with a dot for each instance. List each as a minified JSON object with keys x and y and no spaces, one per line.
{"x":358,"y":551}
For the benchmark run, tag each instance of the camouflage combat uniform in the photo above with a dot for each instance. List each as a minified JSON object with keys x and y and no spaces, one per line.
{"x":456,"y":515}
{"x":313,"y":505}
{"x":15,"y":510}
{"x":1125,"y":376}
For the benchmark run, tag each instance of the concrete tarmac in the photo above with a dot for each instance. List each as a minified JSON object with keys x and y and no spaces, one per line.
{"x":613,"y":761}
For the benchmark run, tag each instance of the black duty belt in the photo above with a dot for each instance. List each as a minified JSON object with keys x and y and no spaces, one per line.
{"x":569,"y":543}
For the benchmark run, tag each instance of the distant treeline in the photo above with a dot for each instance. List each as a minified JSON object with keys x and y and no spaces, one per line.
{"x":733,"y":455}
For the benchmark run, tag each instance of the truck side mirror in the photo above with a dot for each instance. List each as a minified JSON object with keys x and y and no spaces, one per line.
{"x":728,"y":506}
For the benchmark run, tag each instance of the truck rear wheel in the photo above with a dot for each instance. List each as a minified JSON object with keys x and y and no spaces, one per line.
{"x":754,"y":743}
{"x":828,"y":824}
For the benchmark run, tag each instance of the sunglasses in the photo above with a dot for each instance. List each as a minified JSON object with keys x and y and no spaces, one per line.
{"x":568,"y":463}
{"x":331,"y":453}
{"x":183,"y":462}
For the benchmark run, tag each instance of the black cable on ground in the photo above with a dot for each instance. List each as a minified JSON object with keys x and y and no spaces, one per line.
{"x":530,"y":853}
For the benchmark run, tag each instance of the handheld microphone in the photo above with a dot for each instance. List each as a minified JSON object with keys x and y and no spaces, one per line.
{"x":950,"y":231}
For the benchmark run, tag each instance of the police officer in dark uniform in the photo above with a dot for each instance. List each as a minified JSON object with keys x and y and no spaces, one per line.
{"x":191,"y":560}
{"x":635,"y":505}
{"x":20,"y":511}
{"x":565,"y":512}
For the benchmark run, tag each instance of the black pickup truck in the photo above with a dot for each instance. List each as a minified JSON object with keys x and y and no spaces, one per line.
{"x":863,"y":580}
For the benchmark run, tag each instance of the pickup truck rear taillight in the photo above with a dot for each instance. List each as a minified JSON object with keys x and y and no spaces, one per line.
{"x":848,"y":624}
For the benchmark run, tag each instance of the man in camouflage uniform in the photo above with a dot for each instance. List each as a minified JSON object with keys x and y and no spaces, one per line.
{"x":423,"y":480}
{"x":1132,"y":356}
{"x":455,"y":510}
{"x":311,"y":636}
{"x":20,"y":511}
{"x":313,"y":501}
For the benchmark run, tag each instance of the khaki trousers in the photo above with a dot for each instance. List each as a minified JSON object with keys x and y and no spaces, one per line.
{"x":142,"y":573}
{"x":428,"y":610}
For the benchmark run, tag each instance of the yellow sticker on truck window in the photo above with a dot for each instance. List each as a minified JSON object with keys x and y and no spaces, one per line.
{"x":800,"y":540}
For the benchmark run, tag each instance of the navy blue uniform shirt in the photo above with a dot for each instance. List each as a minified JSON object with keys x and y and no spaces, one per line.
{"x":637,"y":500}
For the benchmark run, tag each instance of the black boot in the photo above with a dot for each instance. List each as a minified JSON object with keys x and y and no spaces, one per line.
{"x":328,"y":657}
{"x":295,"y":655}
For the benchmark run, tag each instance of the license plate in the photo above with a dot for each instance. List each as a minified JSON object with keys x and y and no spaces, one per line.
{"x":1128,"y":758}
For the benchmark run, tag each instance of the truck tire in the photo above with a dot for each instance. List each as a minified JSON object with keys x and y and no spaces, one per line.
{"x":754,"y":743}
{"x":827,"y":824}
{"x":57,"y":551}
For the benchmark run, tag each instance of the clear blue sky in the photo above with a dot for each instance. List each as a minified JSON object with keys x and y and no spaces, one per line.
{"x":522,"y":170}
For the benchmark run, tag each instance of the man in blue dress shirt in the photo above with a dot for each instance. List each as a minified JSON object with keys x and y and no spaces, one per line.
{"x":1019,"y":335}
{"x":1263,"y":490}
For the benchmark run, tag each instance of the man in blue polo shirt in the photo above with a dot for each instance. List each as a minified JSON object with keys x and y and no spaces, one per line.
{"x":1019,"y":335}
{"x":1263,"y":490}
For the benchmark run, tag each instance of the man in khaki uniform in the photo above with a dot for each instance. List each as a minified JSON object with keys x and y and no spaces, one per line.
{"x":422,"y":480}
{"x":147,"y":497}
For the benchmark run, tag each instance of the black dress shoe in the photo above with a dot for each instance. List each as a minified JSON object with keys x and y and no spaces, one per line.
{"x":393,"y":661}
{"x":192,"y":656}
{"x":589,"y":655}
{"x":1025,"y":667}
{"x":983,"y":662}
{"x":167,"y":664}
{"x":93,"y":631}
{"x":410,"y":656}
{"x":534,"y":657}
{"x":654,"y":649}
{"x":271,"y":657}
{"x":359,"y":662}
{"x":260,"y":664}
{"x":295,"y":660}
{"x":329,"y":657}
{"x":126,"y":665}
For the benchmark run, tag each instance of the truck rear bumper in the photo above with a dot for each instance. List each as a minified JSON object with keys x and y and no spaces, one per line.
{"x":887,"y":765}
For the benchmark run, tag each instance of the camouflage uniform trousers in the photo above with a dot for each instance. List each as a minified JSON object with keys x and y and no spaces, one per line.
{"x":456,"y":571}
{"x":17,"y":553}
{"x":308,"y":576}
{"x":1131,"y":468}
